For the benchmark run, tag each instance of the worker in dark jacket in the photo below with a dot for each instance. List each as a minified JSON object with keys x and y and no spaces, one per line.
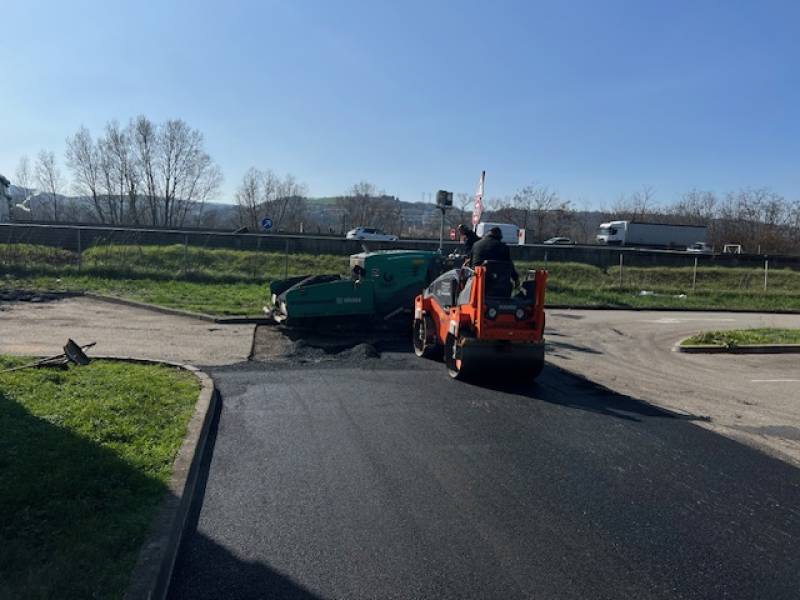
{"x":468,"y":238}
{"x":491,"y":247}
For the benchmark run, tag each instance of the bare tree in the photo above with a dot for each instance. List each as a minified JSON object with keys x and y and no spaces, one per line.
{"x":145,"y":173}
{"x":357,"y":204}
{"x":542,"y":210}
{"x":144,"y":138}
{"x":289,"y":206}
{"x":537,"y":208}
{"x":24,"y":181}
{"x":83,"y":159}
{"x":248,"y":198}
{"x":48,"y":178}
{"x":696,"y":207}
{"x":120,"y":159}
{"x":365,"y":206}
{"x":640,"y":205}
{"x":263,"y":193}
{"x":461,"y":213}
{"x":758,"y":218}
{"x":187,"y":173}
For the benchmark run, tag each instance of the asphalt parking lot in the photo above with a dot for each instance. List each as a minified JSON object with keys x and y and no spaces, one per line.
{"x":355,"y":477}
{"x":752,"y":398}
{"x":346,"y":474}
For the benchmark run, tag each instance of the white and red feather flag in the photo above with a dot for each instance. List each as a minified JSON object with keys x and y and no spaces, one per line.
{"x":477,"y":211}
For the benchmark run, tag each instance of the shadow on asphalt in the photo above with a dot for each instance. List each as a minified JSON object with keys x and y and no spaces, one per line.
{"x":221,"y":573}
{"x":562,"y":388}
{"x":554,"y":347}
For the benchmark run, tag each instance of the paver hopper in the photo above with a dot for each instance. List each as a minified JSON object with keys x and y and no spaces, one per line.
{"x":381,"y":285}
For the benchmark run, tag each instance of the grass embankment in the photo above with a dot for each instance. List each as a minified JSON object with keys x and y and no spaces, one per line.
{"x":214,"y":281}
{"x":232,"y":282}
{"x":744,"y":337}
{"x":717,"y":288}
{"x":85,"y":456}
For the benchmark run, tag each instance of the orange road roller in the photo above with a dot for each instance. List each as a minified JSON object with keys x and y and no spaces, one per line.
{"x":480,"y":324}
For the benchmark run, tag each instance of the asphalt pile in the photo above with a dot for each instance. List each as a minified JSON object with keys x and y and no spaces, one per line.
{"x":314,"y":351}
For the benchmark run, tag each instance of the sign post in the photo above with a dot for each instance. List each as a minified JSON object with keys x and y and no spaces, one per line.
{"x":444,"y":200}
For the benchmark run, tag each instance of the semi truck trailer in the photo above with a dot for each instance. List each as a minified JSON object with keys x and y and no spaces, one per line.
{"x":651,"y":235}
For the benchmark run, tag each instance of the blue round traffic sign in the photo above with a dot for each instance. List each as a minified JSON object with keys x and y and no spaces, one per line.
{"x":266,"y":223}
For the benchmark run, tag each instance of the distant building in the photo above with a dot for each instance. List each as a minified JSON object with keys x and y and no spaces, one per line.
{"x":5,"y":199}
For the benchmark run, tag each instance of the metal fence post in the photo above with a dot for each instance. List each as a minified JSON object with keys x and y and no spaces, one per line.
{"x":621,"y":266}
{"x":185,"y":254}
{"x":80,"y":249}
{"x":766,"y":272}
{"x":694,"y":274}
{"x":286,"y":261}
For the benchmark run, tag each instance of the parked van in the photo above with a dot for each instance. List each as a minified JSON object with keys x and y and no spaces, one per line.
{"x":510,"y":232}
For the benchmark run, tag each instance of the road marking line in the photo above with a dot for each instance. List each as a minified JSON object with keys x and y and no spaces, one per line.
{"x":775,"y":380}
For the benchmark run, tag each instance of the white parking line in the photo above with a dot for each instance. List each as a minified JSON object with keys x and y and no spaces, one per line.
{"x":775,"y":380}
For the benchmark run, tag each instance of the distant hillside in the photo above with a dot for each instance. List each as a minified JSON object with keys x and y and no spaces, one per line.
{"x":323,"y":215}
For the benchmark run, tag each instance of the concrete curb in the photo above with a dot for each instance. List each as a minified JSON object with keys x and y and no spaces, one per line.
{"x":233,"y":320}
{"x":153,"y":571}
{"x":744,"y":349}
{"x":154,"y":307}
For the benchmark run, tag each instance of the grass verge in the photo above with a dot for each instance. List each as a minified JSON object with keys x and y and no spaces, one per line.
{"x":85,"y":456}
{"x":744,"y":337}
{"x":233,"y":282}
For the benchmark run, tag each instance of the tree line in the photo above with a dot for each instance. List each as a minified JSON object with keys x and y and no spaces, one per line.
{"x":160,"y":174}
{"x":142,"y":173}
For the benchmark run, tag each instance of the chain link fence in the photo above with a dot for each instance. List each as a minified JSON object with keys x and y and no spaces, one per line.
{"x":223,"y":257}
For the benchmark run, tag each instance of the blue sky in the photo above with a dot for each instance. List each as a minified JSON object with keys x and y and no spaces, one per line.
{"x":594,"y":99}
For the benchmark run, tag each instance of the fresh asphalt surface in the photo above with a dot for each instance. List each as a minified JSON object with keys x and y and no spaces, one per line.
{"x":382,"y":478}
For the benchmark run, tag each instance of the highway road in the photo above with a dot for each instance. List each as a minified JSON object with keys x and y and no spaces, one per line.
{"x":358,"y":477}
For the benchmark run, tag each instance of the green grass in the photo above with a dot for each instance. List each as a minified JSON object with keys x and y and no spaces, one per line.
{"x":85,"y":456}
{"x":741,"y":337}
{"x":243,"y":298}
{"x":233,"y":282}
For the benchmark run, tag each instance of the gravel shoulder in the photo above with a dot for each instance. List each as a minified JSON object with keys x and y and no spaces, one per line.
{"x":41,"y":328}
{"x":751,"y":398}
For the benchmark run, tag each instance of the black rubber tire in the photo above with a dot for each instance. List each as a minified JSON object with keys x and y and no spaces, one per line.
{"x":536,"y":370}
{"x":425,"y":345}
{"x":454,"y":370}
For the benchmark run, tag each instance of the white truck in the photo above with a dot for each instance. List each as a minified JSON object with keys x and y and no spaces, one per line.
{"x":511,"y":233}
{"x":651,"y":235}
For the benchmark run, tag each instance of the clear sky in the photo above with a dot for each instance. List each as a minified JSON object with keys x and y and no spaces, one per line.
{"x":593,"y":98}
